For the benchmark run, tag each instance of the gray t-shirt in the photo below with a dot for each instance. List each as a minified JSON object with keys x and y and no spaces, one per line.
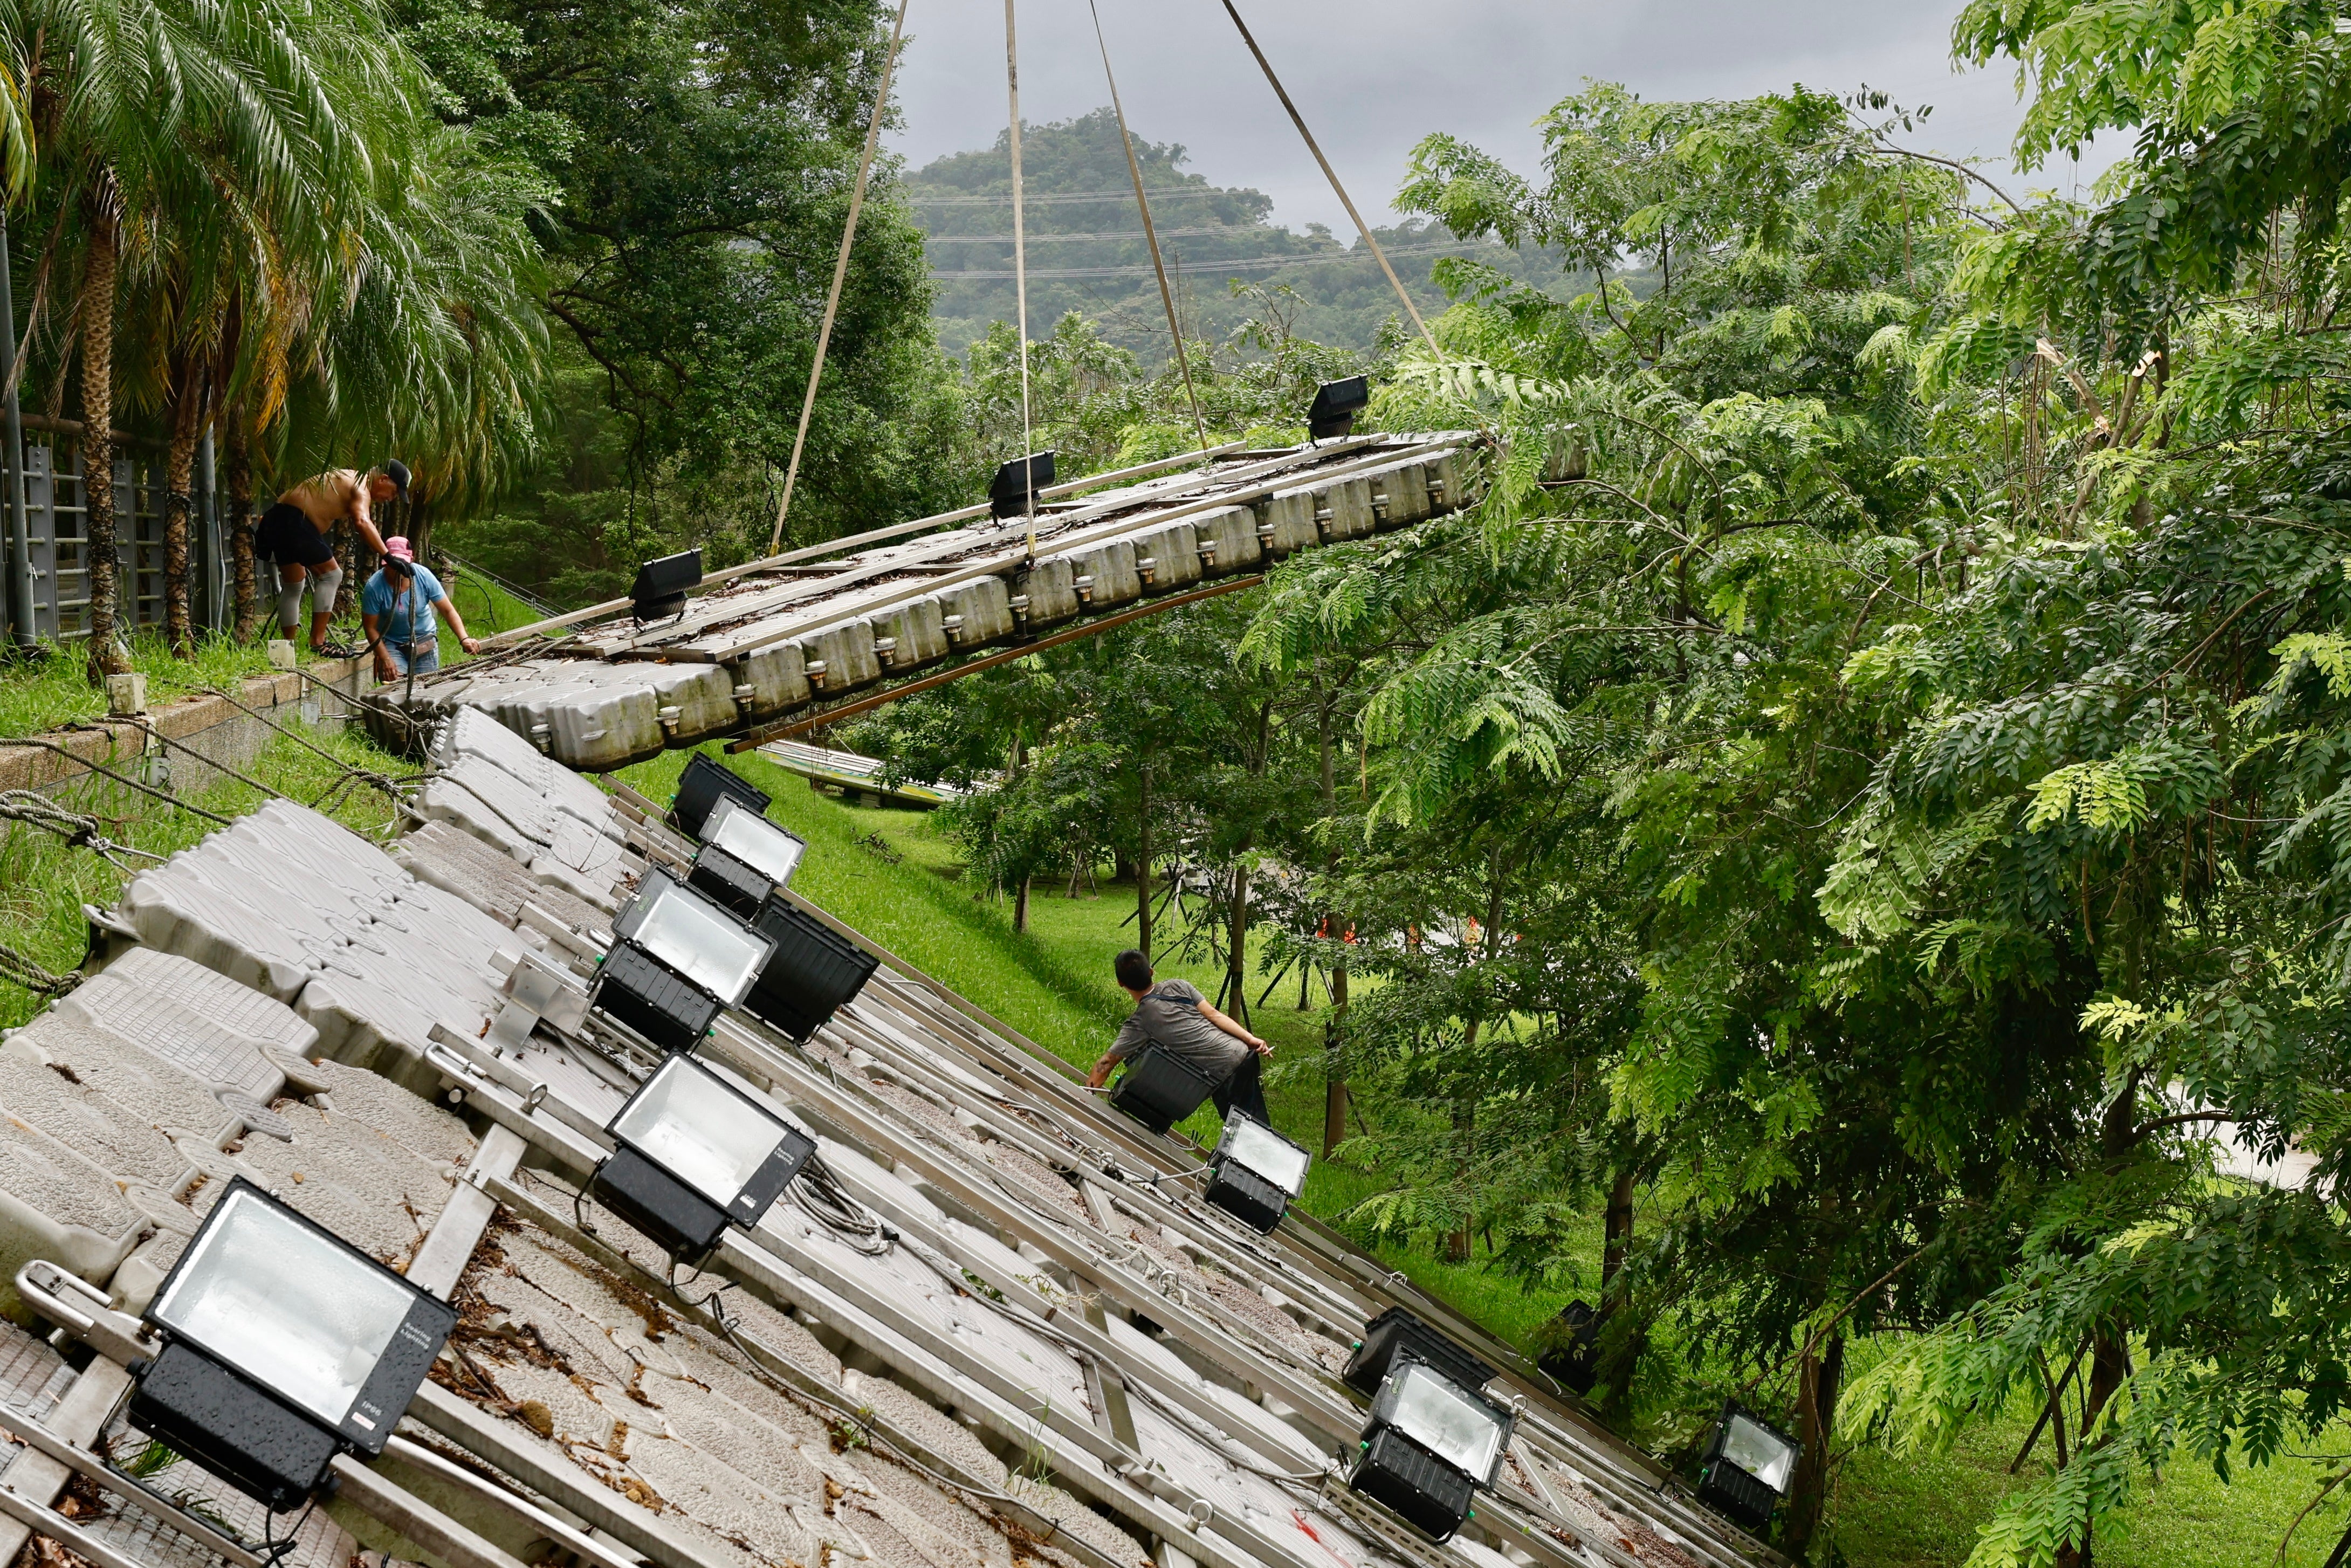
{"x":1168,"y":1015}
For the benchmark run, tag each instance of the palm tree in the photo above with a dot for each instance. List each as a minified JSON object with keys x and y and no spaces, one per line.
{"x":102,"y":207}
{"x":266,"y":217}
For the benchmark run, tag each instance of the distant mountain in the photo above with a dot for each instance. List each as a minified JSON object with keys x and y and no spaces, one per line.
{"x":1086,"y":248}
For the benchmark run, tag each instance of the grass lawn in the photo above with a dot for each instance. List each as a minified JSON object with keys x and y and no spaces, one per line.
{"x":43,"y":882}
{"x":52,"y":691}
{"x":890,"y":873}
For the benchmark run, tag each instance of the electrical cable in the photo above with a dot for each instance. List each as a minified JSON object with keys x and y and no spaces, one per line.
{"x":818,"y":1192}
{"x":274,"y":1551}
{"x":840,"y":272}
{"x":1134,"y":170}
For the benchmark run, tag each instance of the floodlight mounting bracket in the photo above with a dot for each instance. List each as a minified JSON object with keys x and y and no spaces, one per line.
{"x":532,"y":1093}
{"x":1375,"y":1517}
{"x":83,"y":1311}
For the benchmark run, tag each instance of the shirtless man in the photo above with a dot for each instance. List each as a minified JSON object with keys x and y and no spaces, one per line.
{"x":293,"y":533}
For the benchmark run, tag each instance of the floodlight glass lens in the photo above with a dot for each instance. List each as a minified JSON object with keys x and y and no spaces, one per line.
{"x":1458,"y":1427}
{"x":1267,"y":1152}
{"x":704,"y":943}
{"x":753,"y":840}
{"x":1759,"y":1452}
{"x":294,"y":1311}
{"x":699,"y":1129}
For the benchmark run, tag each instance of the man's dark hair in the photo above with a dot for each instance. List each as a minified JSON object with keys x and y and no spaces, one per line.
{"x":1133,"y":970}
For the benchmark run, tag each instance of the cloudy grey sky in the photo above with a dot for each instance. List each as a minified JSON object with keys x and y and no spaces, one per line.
{"x":1372,"y":77}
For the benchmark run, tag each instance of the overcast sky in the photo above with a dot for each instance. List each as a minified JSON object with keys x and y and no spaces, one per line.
{"x":1372,"y":77}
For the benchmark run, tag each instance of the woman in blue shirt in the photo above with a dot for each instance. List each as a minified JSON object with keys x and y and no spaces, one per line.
{"x":398,"y":607}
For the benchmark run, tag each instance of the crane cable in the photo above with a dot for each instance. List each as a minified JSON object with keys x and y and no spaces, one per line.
{"x":1332,"y":175}
{"x":1150,"y":236}
{"x":1020,"y":280}
{"x":839,"y":273}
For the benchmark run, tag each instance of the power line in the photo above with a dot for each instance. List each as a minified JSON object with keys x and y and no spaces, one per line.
{"x":1161,"y":191}
{"x":1255,"y":264}
{"x":1258,"y":229}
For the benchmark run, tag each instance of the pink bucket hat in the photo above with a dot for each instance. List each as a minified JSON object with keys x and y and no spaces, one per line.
{"x":397,"y":548}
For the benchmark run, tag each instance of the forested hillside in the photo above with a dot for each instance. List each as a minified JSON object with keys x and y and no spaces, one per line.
{"x":1087,"y":253}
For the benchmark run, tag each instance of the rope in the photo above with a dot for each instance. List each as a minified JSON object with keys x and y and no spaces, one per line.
{"x":18,"y":970}
{"x":1020,"y":277}
{"x":1330,"y":173}
{"x":1150,"y":235}
{"x":38,"y":810}
{"x":840,"y":272}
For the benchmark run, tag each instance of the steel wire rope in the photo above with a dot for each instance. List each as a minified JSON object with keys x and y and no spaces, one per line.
{"x":151,"y":728}
{"x":1020,"y":279}
{"x":382,"y":781}
{"x":840,"y":272}
{"x":1331,"y":174}
{"x":163,"y":795}
{"x":1134,"y":170}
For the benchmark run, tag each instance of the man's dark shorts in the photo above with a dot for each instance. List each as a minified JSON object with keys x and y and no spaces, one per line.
{"x":286,"y":536}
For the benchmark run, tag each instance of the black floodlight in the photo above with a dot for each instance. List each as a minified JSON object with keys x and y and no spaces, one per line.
{"x":283,"y":1344}
{"x":1747,"y":1468}
{"x":1398,"y":1331}
{"x":676,"y":959}
{"x":815,"y":971}
{"x":1254,"y":1173}
{"x":1159,"y":1089}
{"x":661,"y":586}
{"x":727,"y":882}
{"x":1008,"y":497}
{"x":1573,"y":1354}
{"x":695,"y":1154}
{"x":1429,"y":1446}
{"x":703,"y":785}
{"x":744,"y":833}
{"x":1336,"y":403}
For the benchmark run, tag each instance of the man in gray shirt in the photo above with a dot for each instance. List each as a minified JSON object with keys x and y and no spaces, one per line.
{"x":1173,"y":1015}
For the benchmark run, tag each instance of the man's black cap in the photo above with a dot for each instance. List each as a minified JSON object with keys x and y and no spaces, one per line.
{"x":397,"y":472}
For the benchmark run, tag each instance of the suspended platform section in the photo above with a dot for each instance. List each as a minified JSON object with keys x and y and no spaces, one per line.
{"x":781,"y":639}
